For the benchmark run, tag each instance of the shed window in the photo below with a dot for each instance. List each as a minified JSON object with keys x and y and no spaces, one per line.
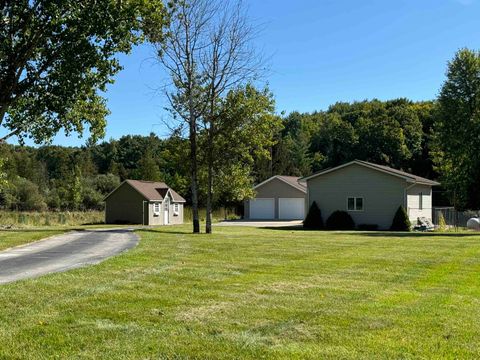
{"x":355,"y":204}
{"x":175,"y":208}
{"x":156,"y":208}
{"x":420,"y":201}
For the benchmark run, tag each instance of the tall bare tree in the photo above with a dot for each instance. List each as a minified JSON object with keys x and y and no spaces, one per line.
{"x":180,"y":55}
{"x":207,"y":52}
{"x":229,"y":61}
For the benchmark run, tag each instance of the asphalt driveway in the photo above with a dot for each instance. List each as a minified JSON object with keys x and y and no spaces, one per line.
{"x":63,"y":252}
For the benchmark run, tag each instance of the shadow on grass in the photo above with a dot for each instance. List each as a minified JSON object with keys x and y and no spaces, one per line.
{"x":166,"y":231}
{"x":31,"y":230}
{"x":376,"y":233}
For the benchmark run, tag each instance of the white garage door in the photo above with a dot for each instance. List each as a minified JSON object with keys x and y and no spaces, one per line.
{"x":291,"y":208}
{"x":262,"y":209}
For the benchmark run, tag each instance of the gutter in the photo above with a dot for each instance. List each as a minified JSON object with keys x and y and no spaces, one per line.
{"x":405,"y":194}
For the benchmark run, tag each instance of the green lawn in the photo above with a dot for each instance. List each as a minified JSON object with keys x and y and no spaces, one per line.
{"x":10,"y":238}
{"x":254,"y":293}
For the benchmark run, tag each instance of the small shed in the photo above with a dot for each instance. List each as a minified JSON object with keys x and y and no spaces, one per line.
{"x":277,"y":198}
{"x":144,"y":202}
{"x":370,"y":193}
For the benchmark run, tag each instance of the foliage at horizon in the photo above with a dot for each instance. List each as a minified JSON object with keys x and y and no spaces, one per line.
{"x":457,"y":130}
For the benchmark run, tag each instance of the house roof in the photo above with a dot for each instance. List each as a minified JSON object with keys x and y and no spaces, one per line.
{"x":293,"y":181}
{"x":152,"y":190}
{"x":382,"y":168}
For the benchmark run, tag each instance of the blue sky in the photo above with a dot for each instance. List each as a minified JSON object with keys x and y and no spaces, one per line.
{"x":321,"y":52}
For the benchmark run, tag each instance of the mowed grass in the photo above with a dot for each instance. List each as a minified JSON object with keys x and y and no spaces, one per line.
{"x":256,"y":293}
{"x":11,"y":238}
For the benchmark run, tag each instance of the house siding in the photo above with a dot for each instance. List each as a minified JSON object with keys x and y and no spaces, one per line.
{"x":413,"y":202}
{"x":274,"y":189}
{"x":125,"y":206}
{"x":382,"y":194}
{"x":173,"y":219}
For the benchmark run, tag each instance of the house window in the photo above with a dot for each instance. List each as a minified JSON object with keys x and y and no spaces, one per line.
{"x":175,"y":208}
{"x":355,"y":204}
{"x":156,"y":208}
{"x":420,"y":201}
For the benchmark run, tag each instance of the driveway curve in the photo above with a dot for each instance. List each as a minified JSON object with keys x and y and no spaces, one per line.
{"x":63,"y":252}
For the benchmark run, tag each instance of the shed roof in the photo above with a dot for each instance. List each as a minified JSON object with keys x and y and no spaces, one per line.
{"x":152,"y":190}
{"x":293,"y":181}
{"x":385,"y":169}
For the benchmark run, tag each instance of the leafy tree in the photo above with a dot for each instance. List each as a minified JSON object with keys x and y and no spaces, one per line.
{"x":106,"y":183}
{"x":244,"y":133}
{"x":75,"y":189}
{"x":457,"y":130}
{"x":148,"y":168}
{"x":207,"y":53}
{"x":334,"y":142}
{"x":24,"y":195}
{"x":401,"y":222}
{"x":314,"y":218}
{"x":55,"y":56}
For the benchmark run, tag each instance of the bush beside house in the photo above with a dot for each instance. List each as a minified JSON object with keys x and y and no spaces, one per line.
{"x":314,"y":218}
{"x":340,"y":220}
{"x":401,"y":222}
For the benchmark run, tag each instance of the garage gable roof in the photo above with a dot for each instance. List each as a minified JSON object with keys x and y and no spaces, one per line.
{"x":385,"y":169}
{"x":293,"y":181}
{"x":151,"y":190}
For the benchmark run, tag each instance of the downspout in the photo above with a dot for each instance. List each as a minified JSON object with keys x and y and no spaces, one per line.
{"x":307,"y":205}
{"x":406,"y":197}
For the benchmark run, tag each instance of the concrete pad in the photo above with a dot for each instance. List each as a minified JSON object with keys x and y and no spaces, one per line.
{"x":63,"y":252}
{"x":261,"y":223}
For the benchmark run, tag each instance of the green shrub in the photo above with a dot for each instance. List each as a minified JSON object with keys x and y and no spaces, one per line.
{"x":340,"y":220}
{"x":367,"y":227}
{"x":314,"y":218}
{"x":401,"y":222}
{"x":442,"y":225}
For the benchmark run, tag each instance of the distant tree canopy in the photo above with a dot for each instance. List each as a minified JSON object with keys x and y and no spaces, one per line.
{"x":395,"y":133}
{"x":434,"y":139}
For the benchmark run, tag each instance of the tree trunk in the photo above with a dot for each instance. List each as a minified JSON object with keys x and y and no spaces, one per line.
{"x":194,"y":175}
{"x":208,"y":218}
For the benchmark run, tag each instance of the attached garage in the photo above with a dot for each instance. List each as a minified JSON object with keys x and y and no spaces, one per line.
{"x":291,"y":208}
{"x":277,"y":198}
{"x":262,"y":209}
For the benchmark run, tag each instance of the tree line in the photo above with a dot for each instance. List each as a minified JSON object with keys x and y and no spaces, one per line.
{"x":56,"y":59}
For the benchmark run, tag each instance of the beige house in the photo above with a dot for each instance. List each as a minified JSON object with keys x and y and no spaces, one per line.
{"x":144,"y":202}
{"x":277,"y":198}
{"x":370,"y":193}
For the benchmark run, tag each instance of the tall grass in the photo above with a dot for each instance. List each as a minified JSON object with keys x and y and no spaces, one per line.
{"x":50,"y":218}
{"x":217,"y":214}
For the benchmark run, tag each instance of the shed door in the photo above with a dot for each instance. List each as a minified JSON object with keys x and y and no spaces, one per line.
{"x":166,"y":212}
{"x":291,"y":208}
{"x":262,"y":209}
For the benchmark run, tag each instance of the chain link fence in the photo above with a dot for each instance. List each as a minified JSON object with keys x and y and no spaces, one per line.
{"x":453,"y":217}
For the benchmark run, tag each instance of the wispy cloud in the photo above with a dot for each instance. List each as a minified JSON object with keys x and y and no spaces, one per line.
{"x":465,"y":2}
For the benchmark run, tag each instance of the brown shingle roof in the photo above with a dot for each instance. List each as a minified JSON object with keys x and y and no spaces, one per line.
{"x":294,"y":181}
{"x":290,"y":180}
{"x":153,"y":190}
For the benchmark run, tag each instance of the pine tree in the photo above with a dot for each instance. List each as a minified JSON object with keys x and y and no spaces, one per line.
{"x":314,"y":218}
{"x":401,"y":222}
